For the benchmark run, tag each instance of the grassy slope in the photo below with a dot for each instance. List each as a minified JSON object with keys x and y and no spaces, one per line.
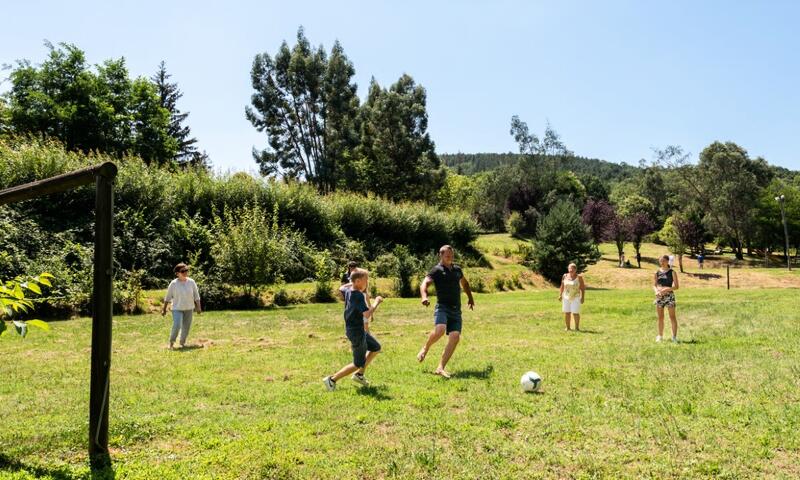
{"x":250,"y":404}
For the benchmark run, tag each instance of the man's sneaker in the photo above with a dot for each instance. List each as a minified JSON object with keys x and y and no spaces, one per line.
{"x":330,"y":383}
{"x":658,"y":338}
{"x":359,"y":378}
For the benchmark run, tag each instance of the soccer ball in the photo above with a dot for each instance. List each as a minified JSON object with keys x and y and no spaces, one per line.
{"x":531,"y":382}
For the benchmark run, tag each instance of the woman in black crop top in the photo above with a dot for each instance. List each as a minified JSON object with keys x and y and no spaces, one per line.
{"x":665,"y":282}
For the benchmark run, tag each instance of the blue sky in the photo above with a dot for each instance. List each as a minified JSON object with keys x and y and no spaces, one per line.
{"x":614,"y":78}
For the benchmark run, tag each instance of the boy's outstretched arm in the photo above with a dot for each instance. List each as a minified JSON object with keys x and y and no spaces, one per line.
{"x":343,"y":288}
{"x":368,"y":313}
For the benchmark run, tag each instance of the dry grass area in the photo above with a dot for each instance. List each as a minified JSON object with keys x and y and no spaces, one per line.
{"x":747,"y":274}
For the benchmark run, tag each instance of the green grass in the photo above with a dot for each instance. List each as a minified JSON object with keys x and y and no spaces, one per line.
{"x":724,"y":404}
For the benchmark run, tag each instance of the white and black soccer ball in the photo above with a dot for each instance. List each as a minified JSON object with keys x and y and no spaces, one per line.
{"x":531,"y":382}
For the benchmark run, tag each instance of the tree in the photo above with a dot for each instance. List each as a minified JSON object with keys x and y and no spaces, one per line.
{"x":169,"y":94}
{"x":679,"y":233}
{"x":639,"y":226}
{"x":306,"y":103}
{"x":725,"y":184}
{"x":549,"y":148}
{"x":562,"y":238}
{"x":104,"y":111}
{"x":252,"y":260}
{"x":400,"y":161}
{"x":598,"y":215}
{"x":618,"y":231}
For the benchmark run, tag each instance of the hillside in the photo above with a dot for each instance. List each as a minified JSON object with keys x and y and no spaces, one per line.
{"x":472,"y":163}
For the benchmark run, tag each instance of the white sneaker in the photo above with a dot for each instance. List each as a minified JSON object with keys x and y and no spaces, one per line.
{"x":330,"y":383}
{"x":675,"y":340}
{"x":658,"y":338}
{"x":359,"y":378}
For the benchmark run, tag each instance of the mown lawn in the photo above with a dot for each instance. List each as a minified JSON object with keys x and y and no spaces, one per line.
{"x":249,"y":403}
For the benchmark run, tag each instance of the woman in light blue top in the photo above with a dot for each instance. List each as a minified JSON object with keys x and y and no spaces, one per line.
{"x":185,"y":298}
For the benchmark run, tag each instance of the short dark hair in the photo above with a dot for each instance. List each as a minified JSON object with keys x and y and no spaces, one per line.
{"x":444,"y":248}
{"x":180,"y":266}
{"x":352,"y":264}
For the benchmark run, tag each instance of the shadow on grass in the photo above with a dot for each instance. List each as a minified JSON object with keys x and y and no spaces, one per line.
{"x":703,"y":276}
{"x":593,"y":332}
{"x":693,"y":341}
{"x":482,"y":374}
{"x":378,"y":393}
{"x":188,"y":348}
{"x":102,"y":470}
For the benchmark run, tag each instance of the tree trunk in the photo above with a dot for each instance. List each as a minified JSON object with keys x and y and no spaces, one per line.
{"x":680,"y":262}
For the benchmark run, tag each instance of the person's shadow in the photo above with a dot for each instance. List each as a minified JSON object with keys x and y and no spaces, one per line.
{"x":100,"y":471}
{"x":378,"y":393}
{"x":188,"y":348}
{"x":480,"y":374}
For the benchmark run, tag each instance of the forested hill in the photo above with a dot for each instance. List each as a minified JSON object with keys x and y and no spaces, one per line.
{"x":471,"y":163}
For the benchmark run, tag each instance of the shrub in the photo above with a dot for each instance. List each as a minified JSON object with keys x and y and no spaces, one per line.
{"x":324,"y":273}
{"x":499,"y":283}
{"x":561,"y":239}
{"x":128,"y":292}
{"x":478,"y":285}
{"x":253,"y":251}
{"x":515,"y":224}
{"x":408,"y":268}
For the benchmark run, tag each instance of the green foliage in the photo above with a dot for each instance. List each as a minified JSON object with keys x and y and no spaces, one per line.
{"x":323,"y":274}
{"x":476,"y":163}
{"x":87,"y":111}
{"x":633,"y":204}
{"x":15,"y":302}
{"x":165,"y":216}
{"x":380,"y":224}
{"x":562,"y":239}
{"x":408,"y":268}
{"x":398,"y":166}
{"x":128,"y":292}
{"x":253,"y":250}
{"x":313,"y":141}
{"x":515,"y":225}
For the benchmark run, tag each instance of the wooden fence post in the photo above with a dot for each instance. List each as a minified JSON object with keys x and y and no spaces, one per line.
{"x":102,"y":311}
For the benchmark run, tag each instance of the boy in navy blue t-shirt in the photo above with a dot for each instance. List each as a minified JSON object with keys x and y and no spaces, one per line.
{"x":356,"y":318}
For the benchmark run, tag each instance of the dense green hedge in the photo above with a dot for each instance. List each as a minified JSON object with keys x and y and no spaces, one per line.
{"x":164,"y":216}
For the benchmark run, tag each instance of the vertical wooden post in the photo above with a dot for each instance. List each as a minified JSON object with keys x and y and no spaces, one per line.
{"x":101,"y":316}
{"x":728,"y":274}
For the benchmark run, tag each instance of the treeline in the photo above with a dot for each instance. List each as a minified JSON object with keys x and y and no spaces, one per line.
{"x":99,"y":109}
{"x":473,"y":163}
{"x":234,"y":229}
{"x":726,"y":199}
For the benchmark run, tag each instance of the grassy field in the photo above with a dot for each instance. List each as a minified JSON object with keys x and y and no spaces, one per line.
{"x":248,"y":401}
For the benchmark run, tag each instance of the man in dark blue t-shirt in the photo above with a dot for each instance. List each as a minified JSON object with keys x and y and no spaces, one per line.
{"x":448,"y":279}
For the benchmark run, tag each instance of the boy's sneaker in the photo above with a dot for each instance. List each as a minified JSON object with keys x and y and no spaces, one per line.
{"x":330,"y":383}
{"x":658,"y":338}
{"x":360,"y":379}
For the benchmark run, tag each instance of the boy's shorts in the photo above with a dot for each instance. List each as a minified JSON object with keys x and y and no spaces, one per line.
{"x":361,"y":343}
{"x":447,"y":315}
{"x":571,"y":306}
